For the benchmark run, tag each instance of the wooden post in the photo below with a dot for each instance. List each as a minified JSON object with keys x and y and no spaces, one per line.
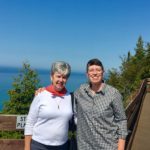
{"x":148,"y":85}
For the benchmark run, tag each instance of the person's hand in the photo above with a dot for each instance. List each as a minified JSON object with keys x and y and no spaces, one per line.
{"x":39,"y":90}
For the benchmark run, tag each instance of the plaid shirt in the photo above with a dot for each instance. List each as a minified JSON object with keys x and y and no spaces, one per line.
{"x":101,"y":119}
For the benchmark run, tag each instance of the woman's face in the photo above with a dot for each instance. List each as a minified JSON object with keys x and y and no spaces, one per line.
{"x":59,"y":81}
{"x":95,"y":74}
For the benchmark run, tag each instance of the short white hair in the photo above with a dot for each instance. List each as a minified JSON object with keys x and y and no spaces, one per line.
{"x":61,"y":67}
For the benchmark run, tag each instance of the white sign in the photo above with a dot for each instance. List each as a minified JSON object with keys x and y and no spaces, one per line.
{"x":21,"y":121}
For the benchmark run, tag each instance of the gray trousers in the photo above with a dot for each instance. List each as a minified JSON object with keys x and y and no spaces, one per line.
{"x":38,"y":146}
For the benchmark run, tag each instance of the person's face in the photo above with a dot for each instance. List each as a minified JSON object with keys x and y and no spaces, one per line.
{"x":58,"y":81}
{"x":95,"y":74}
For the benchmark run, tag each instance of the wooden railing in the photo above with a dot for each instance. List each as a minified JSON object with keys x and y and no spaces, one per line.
{"x":133,"y":111}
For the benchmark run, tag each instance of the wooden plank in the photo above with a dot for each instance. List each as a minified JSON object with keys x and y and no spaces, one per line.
{"x":8,"y":122}
{"x":142,"y":134}
{"x":10,"y":144}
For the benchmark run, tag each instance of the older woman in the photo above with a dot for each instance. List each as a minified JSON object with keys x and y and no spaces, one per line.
{"x":48,"y":119}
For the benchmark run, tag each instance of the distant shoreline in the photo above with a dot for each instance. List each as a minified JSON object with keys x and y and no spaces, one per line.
{"x":4,"y":69}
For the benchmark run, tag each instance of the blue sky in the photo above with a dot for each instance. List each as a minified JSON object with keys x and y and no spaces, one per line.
{"x":43,"y":31}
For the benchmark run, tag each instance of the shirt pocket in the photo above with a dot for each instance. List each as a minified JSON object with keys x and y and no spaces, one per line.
{"x":85,"y":104}
{"x":103,"y":115}
{"x":103,"y":108}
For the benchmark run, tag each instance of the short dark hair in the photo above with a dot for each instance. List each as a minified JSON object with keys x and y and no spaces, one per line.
{"x":94,"y":61}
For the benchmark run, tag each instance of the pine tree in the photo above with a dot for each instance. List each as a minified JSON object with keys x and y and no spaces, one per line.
{"x":139,"y":61}
{"x":146,"y":66}
{"x":139,"y":50}
{"x":132,"y":70}
{"x":22,"y":92}
{"x":113,"y":77}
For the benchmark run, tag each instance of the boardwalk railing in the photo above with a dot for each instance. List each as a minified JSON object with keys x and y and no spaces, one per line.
{"x":16,"y":123}
{"x":133,"y":111}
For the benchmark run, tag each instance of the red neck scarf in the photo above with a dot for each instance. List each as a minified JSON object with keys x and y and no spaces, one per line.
{"x":52,"y":90}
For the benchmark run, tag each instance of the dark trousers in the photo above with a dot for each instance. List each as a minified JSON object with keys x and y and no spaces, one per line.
{"x":38,"y":146}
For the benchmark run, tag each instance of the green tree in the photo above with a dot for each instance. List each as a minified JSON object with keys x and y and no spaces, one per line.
{"x":146,"y":70}
{"x":132,"y":70}
{"x":113,"y":78}
{"x":139,"y":61}
{"x":139,"y":50}
{"x":22,"y":92}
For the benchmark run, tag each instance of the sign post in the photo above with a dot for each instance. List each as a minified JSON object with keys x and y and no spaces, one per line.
{"x":21,"y":121}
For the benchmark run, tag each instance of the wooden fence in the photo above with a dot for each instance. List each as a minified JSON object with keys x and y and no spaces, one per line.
{"x":11,"y":123}
{"x":133,"y":111}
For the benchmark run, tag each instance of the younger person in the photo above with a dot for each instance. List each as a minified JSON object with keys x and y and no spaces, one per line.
{"x":101,"y":119}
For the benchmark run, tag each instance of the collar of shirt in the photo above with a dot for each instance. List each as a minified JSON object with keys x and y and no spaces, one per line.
{"x":102,"y":91}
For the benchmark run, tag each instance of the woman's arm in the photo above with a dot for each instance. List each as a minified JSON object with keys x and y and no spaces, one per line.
{"x":121,"y":144}
{"x":121,"y":120}
{"x":30,"y":121}
{"x":27,"y":142}
{"x":120,"y":116}
{"x":39,"y":90}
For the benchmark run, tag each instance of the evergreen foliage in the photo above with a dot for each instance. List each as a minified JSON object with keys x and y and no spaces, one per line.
{"x":133,"y":69}
{"x":22,"y":93}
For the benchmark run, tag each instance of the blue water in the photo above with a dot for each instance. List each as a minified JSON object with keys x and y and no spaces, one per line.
{"x":7,"y":78}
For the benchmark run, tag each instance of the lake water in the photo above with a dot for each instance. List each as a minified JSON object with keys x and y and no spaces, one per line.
{"x":7,"y":78}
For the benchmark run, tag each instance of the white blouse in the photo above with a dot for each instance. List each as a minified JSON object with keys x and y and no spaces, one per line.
{"x":48,"y":118}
